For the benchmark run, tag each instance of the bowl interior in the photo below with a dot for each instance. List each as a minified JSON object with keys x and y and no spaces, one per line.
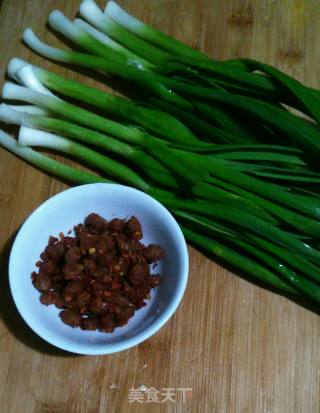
{"x":59,"y":214}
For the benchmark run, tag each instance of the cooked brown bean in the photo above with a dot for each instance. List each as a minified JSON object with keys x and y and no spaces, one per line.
{"x":106,"y":259}
{"x":153,"y":253}
{"x":133,"y":228}
{"x":108,"y":240}
{"x":73,"y":255}
{"x":89,"y":264}
{"x":106,"y":322}
{"x":83,"y":299}
{"x":48,"y":268}
{"x":89,"y":323}
{"x":106,"y":279}
{"x":70,"y":317}
{"x":74,"y":287}
{"x":69,"y":242}
{"x":95,"y":223}
{"x":154,"y":281}
{"x":97,"y":305}
{"x":52,"y":240}
{"x":116,"y":226}
{"x":49,"y":297}
{"x":42,"y":282}
{"x":138,"y":274}
{"x":55,"y":251}
{"x":72,"y":271}
{"x":97,"y":289}
{"x":87,"y":241}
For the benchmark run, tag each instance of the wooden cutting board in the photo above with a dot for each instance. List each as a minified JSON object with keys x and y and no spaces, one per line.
{"x":231,"y":346}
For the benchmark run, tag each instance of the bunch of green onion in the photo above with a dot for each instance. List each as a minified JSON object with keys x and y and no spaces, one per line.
{"x":214,"y":141}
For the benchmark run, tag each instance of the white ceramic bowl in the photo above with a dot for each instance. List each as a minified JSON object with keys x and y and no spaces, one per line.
{"x":59,"y":214}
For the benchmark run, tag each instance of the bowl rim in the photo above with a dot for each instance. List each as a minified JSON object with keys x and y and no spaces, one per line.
{"x":108,"y":348}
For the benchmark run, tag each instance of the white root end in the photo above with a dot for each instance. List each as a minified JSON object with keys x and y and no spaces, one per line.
{"x":15,"y":147}
{"x":30,"y":38}
{"x":41,"y":48}
{"x":10,"y":91}
{"x":10,"y":143}
{"x":11,"y":116}
{"x":119,"y":15}
{"x":14,"y":65}
{"x":15,"y":92}
{"x":112,"y":8}
{"x":30,"y":109}
{"x":97,"y":34}
{"x":90,"y":11}
{"x":63,"y":25}
{"x":35,"y":137}
{"x":27,"y":77}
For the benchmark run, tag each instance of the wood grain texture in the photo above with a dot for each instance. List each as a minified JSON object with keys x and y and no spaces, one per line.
{"x":240,"y":348}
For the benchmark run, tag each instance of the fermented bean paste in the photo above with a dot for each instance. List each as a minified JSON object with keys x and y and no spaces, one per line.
{"x":99,"y":277}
